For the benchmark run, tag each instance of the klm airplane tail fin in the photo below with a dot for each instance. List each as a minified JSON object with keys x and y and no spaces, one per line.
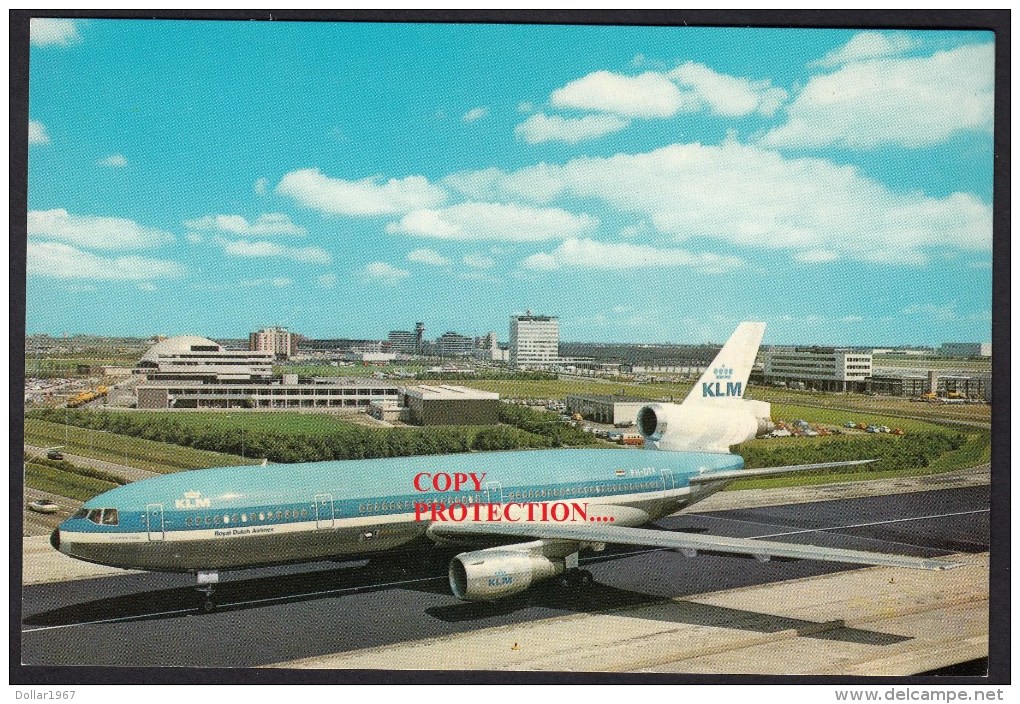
{"x":715,"y":415}
{"x":726,"y":377}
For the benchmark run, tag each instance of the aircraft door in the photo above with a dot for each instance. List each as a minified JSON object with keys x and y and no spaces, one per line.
{"x":493,"y":493}
{"x":324,"y":513}
{"x":668,"y":483}
{"x":154,"y":521}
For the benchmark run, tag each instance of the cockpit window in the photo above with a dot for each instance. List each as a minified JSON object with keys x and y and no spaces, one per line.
{"x":95,"y":516}
{"x":110,"y":517}
{"x":82,"y":512}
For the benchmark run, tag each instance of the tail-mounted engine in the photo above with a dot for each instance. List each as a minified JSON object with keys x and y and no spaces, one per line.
{"x":703,"y":427}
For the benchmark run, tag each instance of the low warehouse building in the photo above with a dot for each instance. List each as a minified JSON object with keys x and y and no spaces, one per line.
{"x":450,"y":405}
{"x":611,"y":410}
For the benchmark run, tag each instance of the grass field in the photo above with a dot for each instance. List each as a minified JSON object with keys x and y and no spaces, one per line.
{"x":790,"y":413}
{"x":944,"y":413}
{"x":64,"y":483}
{"x":122,"y":449}
{"x":560,"y":388}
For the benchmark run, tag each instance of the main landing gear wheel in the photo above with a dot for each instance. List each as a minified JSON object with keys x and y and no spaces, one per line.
{"x":575,"y":579}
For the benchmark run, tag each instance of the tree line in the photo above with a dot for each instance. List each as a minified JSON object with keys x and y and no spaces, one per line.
{"x":890,"y":452}
{"x":523,"y":429}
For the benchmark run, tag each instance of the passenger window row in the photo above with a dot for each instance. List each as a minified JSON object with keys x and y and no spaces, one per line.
{"x":216,"y":519}
{"x":566,"y":492}
{"x":410,"y":504}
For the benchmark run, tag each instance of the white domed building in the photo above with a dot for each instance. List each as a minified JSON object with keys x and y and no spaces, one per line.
{"x":197,"y":359}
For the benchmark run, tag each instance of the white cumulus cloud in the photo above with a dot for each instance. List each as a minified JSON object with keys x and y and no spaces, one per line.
{"x":266,"y":224}
{"x":908,"y":102}
{"x":381,"y":272}
{"x":589,"y":254}
{"x":261,"y":249}
{"x":63,"y":261}
{"x":37,"y":133}
{"x":117,"y":161}
{"x":52,"y":31}
{"x":646,"y":95}
{"x":326,"y":280}
{"x":427,"y":256}
{"x":370,"y":196}
{"x":479,"y":261}
{"x":475,"y":114}
{"x":728,"y":96}
{"x":482,"y":221}
{"x":552,"y":128}
{"x":93,"y":231}
{"x":870,"y":45}
{"x":756,"y":198}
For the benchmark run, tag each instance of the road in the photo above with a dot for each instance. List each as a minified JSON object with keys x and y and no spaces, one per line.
{"x":280,"y":614}
{"x":132,"y":474}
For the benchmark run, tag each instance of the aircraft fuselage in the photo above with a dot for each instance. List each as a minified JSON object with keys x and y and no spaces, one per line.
{"x":238,"y":517}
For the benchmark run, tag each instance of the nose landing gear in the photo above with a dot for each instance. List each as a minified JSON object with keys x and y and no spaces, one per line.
{"x":205,"y":584}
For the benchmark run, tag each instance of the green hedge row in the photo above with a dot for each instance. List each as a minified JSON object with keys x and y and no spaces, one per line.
{"x":91,"y":472}
{"x":347,"y":441}
{"x":890,"y":451}
{"x":546,"y":424}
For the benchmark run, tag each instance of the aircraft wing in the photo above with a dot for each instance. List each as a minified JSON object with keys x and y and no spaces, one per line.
{"x":767,"y":471}
{"x":683,"y":542}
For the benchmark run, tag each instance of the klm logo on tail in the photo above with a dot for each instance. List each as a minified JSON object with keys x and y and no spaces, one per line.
{"x":717,"y":388}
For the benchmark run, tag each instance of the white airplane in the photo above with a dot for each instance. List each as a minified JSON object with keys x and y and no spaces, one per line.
{"x":523,"y":516}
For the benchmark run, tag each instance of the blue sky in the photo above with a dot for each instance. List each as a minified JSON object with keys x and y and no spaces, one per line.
{"x":644,"y":184}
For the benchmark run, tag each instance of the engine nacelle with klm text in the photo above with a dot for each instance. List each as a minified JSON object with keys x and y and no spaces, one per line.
{"x":486,"y":575}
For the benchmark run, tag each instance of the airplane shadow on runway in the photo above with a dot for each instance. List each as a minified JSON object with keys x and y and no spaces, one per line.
{"x":428,"y":575}
{"x":602,"y":598}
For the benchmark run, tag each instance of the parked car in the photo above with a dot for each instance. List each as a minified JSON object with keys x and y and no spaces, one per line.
{"x":54,"y":455}
{"x":43,"y":506}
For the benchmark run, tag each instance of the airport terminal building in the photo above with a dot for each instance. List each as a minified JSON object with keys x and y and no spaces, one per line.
{"x":819,"y":368}
{"x":332,"y":393}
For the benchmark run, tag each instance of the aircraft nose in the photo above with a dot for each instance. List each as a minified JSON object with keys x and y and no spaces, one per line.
{"x":55,"y":539}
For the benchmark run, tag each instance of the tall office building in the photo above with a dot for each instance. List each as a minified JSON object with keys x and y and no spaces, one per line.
{"x":534,"y":341}
{"x":279,"y":341}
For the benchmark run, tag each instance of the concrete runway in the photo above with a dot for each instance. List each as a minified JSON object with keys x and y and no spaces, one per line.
{"x":281,"y":614}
